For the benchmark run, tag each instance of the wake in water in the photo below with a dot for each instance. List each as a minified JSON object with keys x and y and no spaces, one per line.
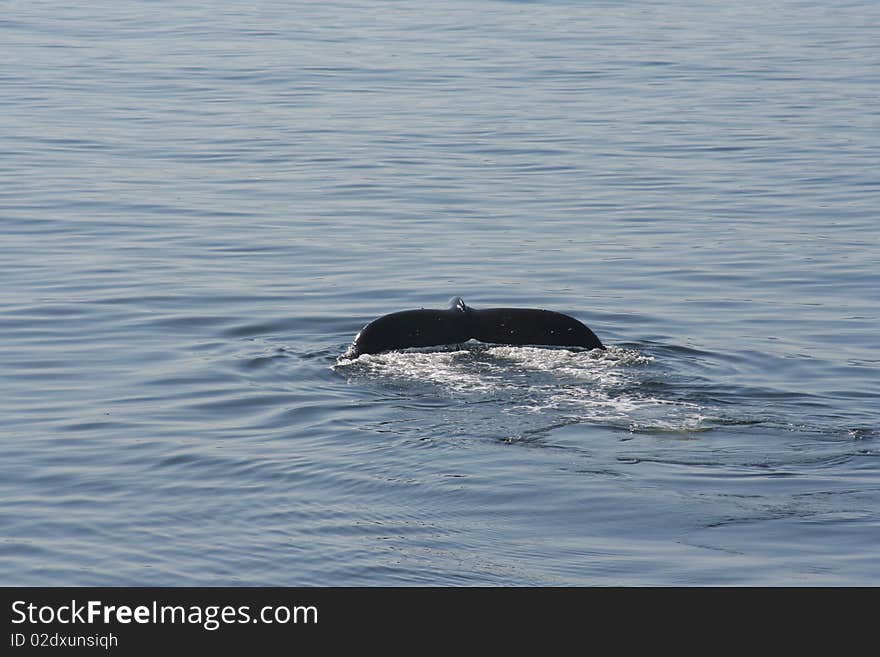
{"x":528,"y":388}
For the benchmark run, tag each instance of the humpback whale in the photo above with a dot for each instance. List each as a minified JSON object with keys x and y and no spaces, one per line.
{"x":460,"y":323}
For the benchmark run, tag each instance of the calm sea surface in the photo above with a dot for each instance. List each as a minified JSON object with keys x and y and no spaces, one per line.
{"x":202,"y":203}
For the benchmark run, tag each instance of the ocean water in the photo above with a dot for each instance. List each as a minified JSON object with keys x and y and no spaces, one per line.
{"x":201,"y":204}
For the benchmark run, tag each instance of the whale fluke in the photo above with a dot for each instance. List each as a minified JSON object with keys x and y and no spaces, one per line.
{"x":460,"y":323}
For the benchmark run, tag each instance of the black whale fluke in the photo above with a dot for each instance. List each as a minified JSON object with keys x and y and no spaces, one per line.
{"x":460,"y":323}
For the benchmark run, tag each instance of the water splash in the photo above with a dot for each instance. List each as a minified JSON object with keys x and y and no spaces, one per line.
{"x":539,"y":387}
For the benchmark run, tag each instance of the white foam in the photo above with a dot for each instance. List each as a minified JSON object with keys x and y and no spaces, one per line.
{"x":448,"y":369}
{"x":581,"y":386}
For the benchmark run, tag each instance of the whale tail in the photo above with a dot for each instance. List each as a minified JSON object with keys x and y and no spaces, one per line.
{"x":460,"y":323}
{"x":519,"y":326}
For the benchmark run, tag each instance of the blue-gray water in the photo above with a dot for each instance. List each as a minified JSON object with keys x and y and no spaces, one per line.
{"x":202,"y":203}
